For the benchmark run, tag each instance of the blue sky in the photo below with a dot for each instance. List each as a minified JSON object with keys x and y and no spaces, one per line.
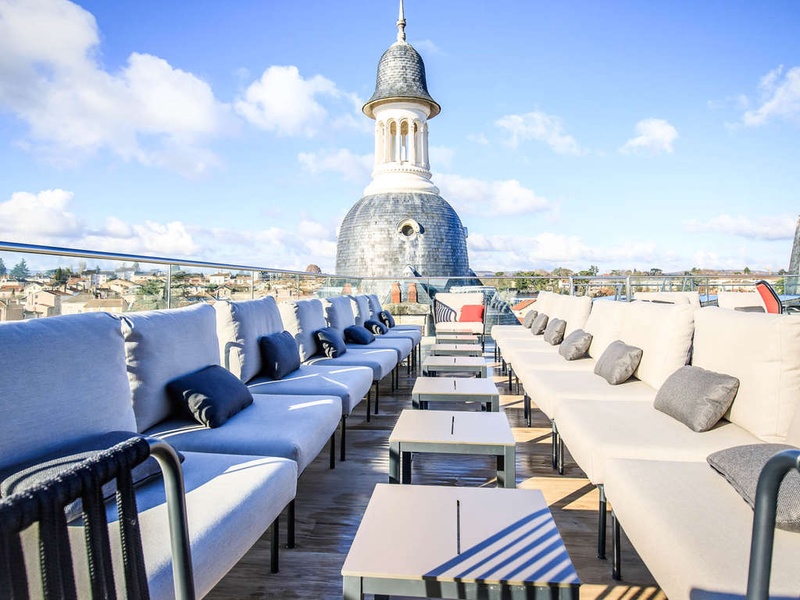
{"x":640,"y":134}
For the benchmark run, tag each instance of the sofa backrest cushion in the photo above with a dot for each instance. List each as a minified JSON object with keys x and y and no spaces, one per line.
{"x":734,"y":300}
{"x":240,"y":325}
{"x":303,"y":318}
{"x":362,"y":309}
{"x":763,"y":352}
{"x":692,"y":298}
{"x":544,"y":302}
{"x":605,"y":325}
{"x":374,"y":304}
{"x":664,"y":333}
{"x":339,"y":312}
{"x":162,"y":345}
{"x":62,"y":379}
{"x":574,"y":310}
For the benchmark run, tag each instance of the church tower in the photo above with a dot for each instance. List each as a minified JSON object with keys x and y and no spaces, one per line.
{"x":401,"y":225}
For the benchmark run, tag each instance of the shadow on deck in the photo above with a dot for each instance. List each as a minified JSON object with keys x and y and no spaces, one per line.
{"x":330,"y":504}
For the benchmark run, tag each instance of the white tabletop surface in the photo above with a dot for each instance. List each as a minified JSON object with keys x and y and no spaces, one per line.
{"x":411,"y":532}
{"x":454,"y":386}
{"x":455,"y":427}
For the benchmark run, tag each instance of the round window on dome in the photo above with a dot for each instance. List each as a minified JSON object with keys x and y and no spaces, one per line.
{"x":408,"y":228}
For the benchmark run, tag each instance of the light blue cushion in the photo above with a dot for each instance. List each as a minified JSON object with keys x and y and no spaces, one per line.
{"x":380,"y":360}
{"x":339,"y":313}
{"x":239,"y":327}
{"x":303,"y":318}
{"x":294,"y":427}
{"x":231,"y":501}
{"x":162,"y":345}
{"x":363,"y":310}
{"x":374,"y":304}
{"x":61,"y":379}
{"x":349,"y":383}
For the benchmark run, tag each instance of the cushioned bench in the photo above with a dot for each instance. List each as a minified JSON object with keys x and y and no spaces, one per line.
{"x":64,"y":380}
{"x":240,"y":329}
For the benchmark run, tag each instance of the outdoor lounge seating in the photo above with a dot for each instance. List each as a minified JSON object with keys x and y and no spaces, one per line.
{"x":240,"y":327}
{"x":460,"y":313}
{"x":688,"y":524}
{"x":231,"y":499}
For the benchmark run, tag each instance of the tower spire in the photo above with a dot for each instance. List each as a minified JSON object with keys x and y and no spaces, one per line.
{"x":401,"y":24}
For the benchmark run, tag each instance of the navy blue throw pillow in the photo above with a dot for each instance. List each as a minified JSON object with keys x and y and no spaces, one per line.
{"x":386,"y":318}
{"x":331,"y":342}
{"x":358,"y":335}
{"x":376,"y":327}
{"x":211,"y":395}
{"x":279,"y":354}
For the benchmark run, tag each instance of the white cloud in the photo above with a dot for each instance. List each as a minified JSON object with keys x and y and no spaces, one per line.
{"x":548,"y":250}
{"x":50,"y":78}
{"x":768,"y":228}
{"x":478,"y":138}
{"x":540,"y":126}
{"x":45,"y":218}
{"x":352,"y":167}
{"x":654,"y":136}
{"x":779,"y":98}
{"x":41,"y":215}
{"x":497,"y":198}
{"x":285,"y":102}
{"x":426,"y":47}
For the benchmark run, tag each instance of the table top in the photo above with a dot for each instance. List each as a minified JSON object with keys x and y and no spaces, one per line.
{"x":489,"y":535}
{"x":460,"y":361}
{"x":456,"y":347}
{"x":453,"y":427}
{"x":454,"y":386}
{"x":461,"y":337}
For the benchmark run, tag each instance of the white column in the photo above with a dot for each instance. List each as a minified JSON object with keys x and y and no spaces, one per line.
{"x":378,"y":142}
{"x":412,"y":143}
{"x":387,"y":141}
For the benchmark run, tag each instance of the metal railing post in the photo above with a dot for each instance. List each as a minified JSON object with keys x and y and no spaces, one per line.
{"x":168,"y":293}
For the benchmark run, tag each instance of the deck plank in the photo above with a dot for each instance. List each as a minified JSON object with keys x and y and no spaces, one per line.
{"x":330,"y":504}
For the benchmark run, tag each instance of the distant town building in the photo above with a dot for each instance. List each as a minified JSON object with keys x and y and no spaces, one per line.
{"x":401,"y":224}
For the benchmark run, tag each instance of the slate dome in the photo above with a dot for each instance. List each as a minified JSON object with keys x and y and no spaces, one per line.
{"x":384,"y":233}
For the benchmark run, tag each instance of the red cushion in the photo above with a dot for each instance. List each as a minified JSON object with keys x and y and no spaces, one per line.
{"x":471,"y":313}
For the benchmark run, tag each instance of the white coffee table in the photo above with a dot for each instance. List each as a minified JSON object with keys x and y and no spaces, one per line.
{"x":443,"y":364}
{"x":456,"y":542}
{"x":451,"y":432}
{"x":455,"y":350}
{"x":455,"y":389}
{"x":445,"y":337}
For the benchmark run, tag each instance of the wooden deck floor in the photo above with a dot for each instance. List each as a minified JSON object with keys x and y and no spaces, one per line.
{"x":330,"y":504}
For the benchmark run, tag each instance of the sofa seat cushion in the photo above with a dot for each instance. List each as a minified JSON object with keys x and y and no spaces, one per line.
{"x":499,"y":332}
{"x":595,"y":431}
{"x":293,"y":427}
{"x":230,"y":502}
{"x":693,"y":530}
{"x":548,"y":388}
{"x":401,"y":345}
{"x":381,"y":360}
{"x":410,"y":332}
{"x":515,"y":351}
{"x":351,"y":384}
{"x":210,"y":395}
{"x":66,"y":372}
{"x":240,"y":326}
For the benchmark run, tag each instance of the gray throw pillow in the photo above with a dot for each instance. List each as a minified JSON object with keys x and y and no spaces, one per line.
{"x":618,"y":362}
{"x":527,"y":320}
{"x":554,"y":332}
{"x":575,"y":345}
{"x":696,"y":397}
{"x":741,"y":466}
{"x":539,"y":323}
